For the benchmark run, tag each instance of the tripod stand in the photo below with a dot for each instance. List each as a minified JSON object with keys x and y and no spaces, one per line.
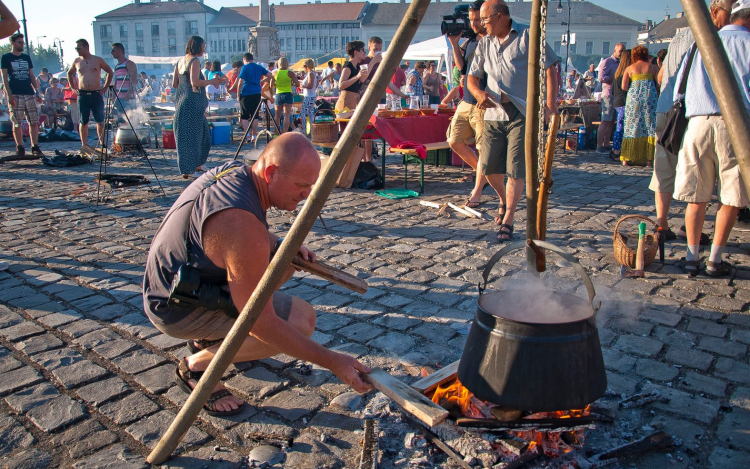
{"x":112,"y":100}
{"x":266,"y":132}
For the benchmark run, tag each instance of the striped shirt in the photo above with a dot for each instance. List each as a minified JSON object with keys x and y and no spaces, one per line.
{"x":122,"y":85}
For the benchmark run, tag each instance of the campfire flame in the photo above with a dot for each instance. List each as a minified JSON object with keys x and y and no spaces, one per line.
{"x":552,"y":443}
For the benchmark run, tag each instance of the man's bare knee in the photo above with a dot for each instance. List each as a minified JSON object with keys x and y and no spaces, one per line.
{"x":304,"y":315}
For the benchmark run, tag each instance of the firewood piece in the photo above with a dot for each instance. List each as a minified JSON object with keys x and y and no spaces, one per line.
{"x":526,"y":424}
{"x":638,"y":400}
{"x":9,"y":158}
{"x":438,"y":442}
{"x":461,"y":210}
{"x":369,"y":458}
{"x":434,"y":380}
{"x":476,"y":213}
{"x":427,"y":203}
{"x":653,"y":442}
{"x":505,"y":414}
{"x":332,"y":274}
{"x":444,"y":211}
{"x":410,"y":400}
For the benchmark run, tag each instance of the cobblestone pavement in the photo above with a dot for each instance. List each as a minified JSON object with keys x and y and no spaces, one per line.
{"x":87,"y":382}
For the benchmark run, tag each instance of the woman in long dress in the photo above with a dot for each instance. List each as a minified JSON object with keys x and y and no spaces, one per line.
{"x":191,"y":132}
{"x":639,"y":136}
{"x":620,"y":98}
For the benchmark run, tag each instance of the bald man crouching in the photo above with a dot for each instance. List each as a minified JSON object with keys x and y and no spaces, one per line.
{"x":216,"y":235}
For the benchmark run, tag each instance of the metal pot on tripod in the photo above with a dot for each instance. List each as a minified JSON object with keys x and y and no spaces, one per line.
{"x":126,"y":136}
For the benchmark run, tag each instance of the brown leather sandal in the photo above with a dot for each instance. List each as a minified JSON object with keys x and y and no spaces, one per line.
{"x":183,"y":375}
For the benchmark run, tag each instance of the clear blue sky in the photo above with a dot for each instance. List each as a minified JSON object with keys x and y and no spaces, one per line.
{"x":72,"y":20}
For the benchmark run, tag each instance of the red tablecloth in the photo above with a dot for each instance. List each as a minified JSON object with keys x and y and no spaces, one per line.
{"x":422,"y":129}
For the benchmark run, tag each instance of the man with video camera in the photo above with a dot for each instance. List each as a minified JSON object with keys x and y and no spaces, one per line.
{"x":468,"y":121}
{"x":209,"y":255}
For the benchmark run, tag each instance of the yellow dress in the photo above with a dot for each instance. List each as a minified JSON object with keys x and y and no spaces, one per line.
{"x":639,"y":135}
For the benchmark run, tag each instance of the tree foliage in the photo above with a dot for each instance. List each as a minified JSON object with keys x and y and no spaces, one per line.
{"x":42,"y":57}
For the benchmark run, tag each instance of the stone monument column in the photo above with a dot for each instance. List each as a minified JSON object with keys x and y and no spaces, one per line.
{"x":263,"y":40}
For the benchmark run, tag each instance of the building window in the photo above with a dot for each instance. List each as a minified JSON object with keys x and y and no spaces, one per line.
{"x":573,"y":49}
{"x":154,"y":29}
{"x":139,"y":30}
{"x":123,"y":30}
{"x":106,"y":45}
{"x":605,"y":47}
{"x":281,"y":43}
{"x":171,"y":28}
{"x":309,"y":43}
{"x":172,"y":45}
{"x":231,"y":45}
{"x":334,"y":26}
{"x":589,"y":47}
{"x":624,"y":44}
{"x":191,"y":28}
{"x":155,"y":48}
{"x":556,"y":47}
{"x":315,"y":42}
{"x":105,"y":30}
{"x":386,"y":44}
{"x":139,"y":50}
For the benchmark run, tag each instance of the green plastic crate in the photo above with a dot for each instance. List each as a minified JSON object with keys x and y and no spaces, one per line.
{"x":439,"y":157}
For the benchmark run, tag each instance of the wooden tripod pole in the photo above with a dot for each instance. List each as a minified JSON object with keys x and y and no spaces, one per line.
{"x":297,"y":234}
{"x":532,"y":126}
{"x":723,"y":82}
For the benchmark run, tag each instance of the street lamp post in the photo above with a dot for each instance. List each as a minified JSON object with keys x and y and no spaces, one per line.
{"x":60,"y":50}
{"x":567,"y":34}
{"x":38,"y":42}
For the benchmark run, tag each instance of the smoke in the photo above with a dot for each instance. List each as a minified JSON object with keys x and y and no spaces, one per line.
{"x":137,"y":115}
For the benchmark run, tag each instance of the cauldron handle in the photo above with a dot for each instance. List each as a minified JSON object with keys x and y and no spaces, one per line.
{"x":542,"y":244}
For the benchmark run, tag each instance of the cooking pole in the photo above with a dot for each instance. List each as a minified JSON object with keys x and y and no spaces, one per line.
{"x":297,"y":234}
{"x":532,"y":127}
{"x":723,"y":81}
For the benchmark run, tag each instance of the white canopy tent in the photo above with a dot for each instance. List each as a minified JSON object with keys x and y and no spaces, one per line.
{"x":139,"y":59}
{"x":437,"y":49}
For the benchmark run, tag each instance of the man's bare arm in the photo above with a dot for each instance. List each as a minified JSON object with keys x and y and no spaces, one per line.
{"x":6,"y":88}
{"x":133,"y":77}
{"x":108,"y":70}
{"x":458,"y":53}
{"x":71,"y":76}
{"x":226,"y":234}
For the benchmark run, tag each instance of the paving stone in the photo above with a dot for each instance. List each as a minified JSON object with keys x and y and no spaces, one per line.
{"x":8,"y":318}
{"x":116,"y":348}
{"x":79,"y":373}
{"x":705,"y":384}
{"x":56,"y":413}
{"x":632,"y":326}
{"x":260,"y":428}
{"x":360,"y":332}
{"x":701,"y":326}
{"x":79,"y":328}
{"x":690,"y":433}
{"x":328,"y":322}
{"x":129,"y":409}
{"x":68,"y":291}
{"x":29,"y":459}
{"x":617,"y":361}
{"x":29,"y":301}
{"x":7,"y":361}
{"x":353,"y":350}
{"x":114,"y":457}
{"x":85,"y":438}
{"x":320,"y":338}
{"x":26,"y":399}
{"x":255,"y":383}
{"x":208,"y":457}
{"x":138,"y":361}
{"x":732,"y":370}
{"x":55,"y":320}
{"x":642,"y":346}
{"x":396,"y":321}
{"x":225,"y":423}
{"x":735,"y":424}
{"x":165,"y":342}
{"x":393,"y":301}
{"x":435,"y":332}
{"x":347,"y":401}
{"x":723,"y":347}
{"x":102,"y":391}
{"x":13,"y":435}
{"x":661,"y":317}
{"x":293,"y":404}
{"x":19,"y":378}
{"x":156,"y":380}
{"x":689,"y":357}
{"x":330,"y":301}
{"x":279,"y":362}
{"x":741,"y":336}
{"x":684,"y":404}
{"x":54,"y":359}
{"x":38,"y":344}
{"x":655,"y":370}
{"x":21,"y":331}
{"x":44,"y":309}
{"x":149,"y":431}
{"x":362,"y":311}
{"x":724,"y":458}
{"x":394,"y":343}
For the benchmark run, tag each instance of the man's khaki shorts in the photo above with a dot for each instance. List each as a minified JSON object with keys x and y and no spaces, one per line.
{"x":665,"y":163}
{"x":25,"y":104}
{"x":705,"y":157}
{"x":467,"y":122}
{"x":504,"y":145}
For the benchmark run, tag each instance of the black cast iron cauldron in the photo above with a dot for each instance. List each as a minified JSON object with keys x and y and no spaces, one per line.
{"x":539,"y":359}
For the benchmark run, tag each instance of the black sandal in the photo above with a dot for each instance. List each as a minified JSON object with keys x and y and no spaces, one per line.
{"x":508,"y":233}
{"x":197,"y":345}
{"x":183,"y":374}
{"x":501,"y":215}
{"x":682,"y":234}
{"x":718,"y":269}
{"x":691,"y":267}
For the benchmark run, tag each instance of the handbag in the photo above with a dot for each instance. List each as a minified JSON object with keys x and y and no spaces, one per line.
{"x":676,"y":123}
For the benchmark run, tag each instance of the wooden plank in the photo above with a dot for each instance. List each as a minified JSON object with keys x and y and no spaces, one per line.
{"x":461,"y":210}
{"x":410,"y":400}
{"x":428,"y":147}
{"x":332,"y":274}
{"x":434,"y":380}
{"x":427,"y":203}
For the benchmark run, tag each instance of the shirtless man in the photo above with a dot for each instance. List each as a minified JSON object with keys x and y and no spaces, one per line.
{"x":88,"y":87}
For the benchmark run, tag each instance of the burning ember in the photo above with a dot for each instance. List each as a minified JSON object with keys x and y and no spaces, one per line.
{"x":457,"y":399}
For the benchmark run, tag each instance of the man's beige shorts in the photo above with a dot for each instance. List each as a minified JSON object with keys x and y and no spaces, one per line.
{"x":705,"y":157}
{"x":25,"y":104}
{"x":467,"y":122}
{"x":665,"y":163}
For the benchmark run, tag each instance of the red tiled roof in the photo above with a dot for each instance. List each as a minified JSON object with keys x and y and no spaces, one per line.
{"x":308,"y":12}
{"x":158,"y":8}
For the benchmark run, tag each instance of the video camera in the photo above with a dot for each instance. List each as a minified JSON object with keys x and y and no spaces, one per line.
{"x":457,"y":24}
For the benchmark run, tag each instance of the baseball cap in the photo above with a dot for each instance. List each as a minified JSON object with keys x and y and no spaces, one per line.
{"x":740,"y":5}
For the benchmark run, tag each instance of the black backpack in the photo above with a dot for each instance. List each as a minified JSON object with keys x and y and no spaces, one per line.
{"x":367,"y":177}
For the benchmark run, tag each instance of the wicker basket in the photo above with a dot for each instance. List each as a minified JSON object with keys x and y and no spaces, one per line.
{"x":410,"y":112}
{"x":625,"y":255}
{"x":324,"y":132}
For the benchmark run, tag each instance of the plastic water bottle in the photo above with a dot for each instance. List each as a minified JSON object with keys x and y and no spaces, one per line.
{"x":581,"y":138}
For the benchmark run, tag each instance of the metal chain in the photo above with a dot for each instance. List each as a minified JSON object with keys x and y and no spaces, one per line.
{"x":542,"y":89}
